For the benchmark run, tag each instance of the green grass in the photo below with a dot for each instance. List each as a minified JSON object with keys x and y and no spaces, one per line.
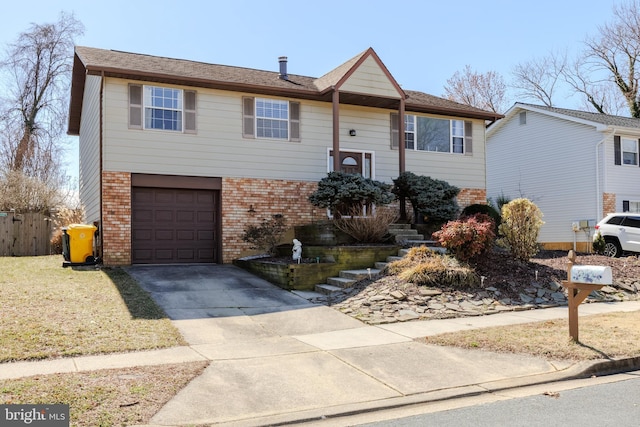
{"x":50,"y":312}
{"x":110,"y":397}
{"x":604,"y":336}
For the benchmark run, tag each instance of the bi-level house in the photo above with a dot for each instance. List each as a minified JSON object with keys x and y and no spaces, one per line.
{"x":575,"y":165}
{"x":178,"y":157}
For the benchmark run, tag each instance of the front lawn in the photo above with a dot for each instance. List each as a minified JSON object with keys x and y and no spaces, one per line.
{"x":50,"y":312}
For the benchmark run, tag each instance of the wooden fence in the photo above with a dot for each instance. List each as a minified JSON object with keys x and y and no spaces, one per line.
{"x":26,"y":234}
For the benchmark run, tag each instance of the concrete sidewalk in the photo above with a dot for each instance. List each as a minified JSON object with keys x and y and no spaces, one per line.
{"x":275,"y":358}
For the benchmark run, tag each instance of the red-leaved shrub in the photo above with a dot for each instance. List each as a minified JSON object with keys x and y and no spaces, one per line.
{"x":467,"y":237}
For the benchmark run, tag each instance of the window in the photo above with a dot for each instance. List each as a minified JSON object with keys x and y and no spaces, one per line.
{"x":410,"y":132}
{"x":629,"y":151}
{"x":162,"y":108}
{"x":435,"y":135}
{"x":631,"y":206}
{"x":271,"y":118}
{"x":625,"y":151}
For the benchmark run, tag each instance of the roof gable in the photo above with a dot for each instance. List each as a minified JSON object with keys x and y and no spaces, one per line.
{"x":365,"y":73}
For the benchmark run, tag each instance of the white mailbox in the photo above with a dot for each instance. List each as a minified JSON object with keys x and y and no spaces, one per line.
{"x":594,"y":274}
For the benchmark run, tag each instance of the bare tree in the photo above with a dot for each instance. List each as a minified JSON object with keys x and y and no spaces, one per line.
{"x":538,"y":79}
{"x":36,"y":75}
{"x":481,"y":90}
{"x":614,"y":54}
{"x":598,"y":94}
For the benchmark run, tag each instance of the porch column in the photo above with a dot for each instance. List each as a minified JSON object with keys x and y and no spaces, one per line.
{"x":336,"y":129}
{"x":401,"y":157}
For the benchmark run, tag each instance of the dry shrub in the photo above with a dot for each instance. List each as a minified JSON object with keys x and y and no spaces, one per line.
{"x":64,"y":217}
{"x":368,"y":229}
{"x":423,"y":266}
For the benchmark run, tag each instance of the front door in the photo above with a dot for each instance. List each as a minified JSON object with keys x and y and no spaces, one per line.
{"x":353,"y":162}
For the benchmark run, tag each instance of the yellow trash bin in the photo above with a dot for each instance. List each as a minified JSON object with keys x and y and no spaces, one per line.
{"x":81,"y":242}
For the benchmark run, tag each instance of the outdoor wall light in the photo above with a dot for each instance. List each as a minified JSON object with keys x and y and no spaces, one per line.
{"x":352,"y":132}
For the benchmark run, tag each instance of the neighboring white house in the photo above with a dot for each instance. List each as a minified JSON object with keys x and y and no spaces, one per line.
{"x":178,"y":157}
{"x":574,"y":165}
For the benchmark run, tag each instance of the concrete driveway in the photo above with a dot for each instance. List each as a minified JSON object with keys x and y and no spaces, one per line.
{"x":214,"y":304}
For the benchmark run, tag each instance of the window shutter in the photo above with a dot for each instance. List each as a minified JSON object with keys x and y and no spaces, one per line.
{"x":617,"y":152}
{"x":248,"y":118}
{"x":190,"y":111}
{"x":468,"y":138}
{"x":395,"y":136}
{"x":625,"y":206}
{"x":135,"y":106}
{"x":294,"y":121}
{"x":638,"y":147}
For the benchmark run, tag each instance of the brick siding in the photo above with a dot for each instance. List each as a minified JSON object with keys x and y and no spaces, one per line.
{"x":245,"y":202}
{"x":471,"y":196}
{"x":608,"y":203}
{"x":266,"y":198}
{"x":116,"y":218}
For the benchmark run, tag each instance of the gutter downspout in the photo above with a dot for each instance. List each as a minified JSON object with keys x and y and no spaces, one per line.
{"x":599,"y":193}
{"x":100,"y":165}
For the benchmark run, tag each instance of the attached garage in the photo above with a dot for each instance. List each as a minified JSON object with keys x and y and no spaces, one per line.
{"x":175,"y":219}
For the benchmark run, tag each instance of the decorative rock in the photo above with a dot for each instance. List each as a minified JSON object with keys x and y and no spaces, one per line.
{"x":430,"y":292}
{"x":525,"y":298}
{"x":399,"y":295}
{"x":406,"y":315}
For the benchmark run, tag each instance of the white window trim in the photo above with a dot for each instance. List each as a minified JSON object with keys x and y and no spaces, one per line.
{"x":622,"y":151}
{"x":451,"y":136}
{"x":256,"y":118}
{"x":146,"y":104}
{"x":139,"y":104}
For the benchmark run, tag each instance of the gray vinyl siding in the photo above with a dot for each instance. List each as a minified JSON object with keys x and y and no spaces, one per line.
{"x":463,"y":171}
{"x":622,"y":180}
{"x":371,"y":80}
{"x":551,"y":162}
{"x":89,"y":149}
{"x":219,"y":148}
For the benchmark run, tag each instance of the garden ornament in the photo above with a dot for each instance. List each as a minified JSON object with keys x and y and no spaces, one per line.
{"x":297,"y":250}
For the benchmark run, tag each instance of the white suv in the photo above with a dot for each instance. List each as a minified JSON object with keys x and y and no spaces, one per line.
{"x":621,"y":232}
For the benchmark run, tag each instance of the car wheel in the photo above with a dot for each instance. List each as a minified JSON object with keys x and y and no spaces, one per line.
{"x":612,"y":248}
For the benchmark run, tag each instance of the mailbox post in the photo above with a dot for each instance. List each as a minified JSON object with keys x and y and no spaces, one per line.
{"x":578,"y":291}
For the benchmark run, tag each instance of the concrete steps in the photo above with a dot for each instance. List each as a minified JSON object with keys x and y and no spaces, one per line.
{"x":404,"y":234}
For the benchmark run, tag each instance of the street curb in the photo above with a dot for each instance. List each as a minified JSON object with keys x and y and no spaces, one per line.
{"x":578,"y":371}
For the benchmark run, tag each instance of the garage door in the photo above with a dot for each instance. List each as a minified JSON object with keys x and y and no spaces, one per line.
{"x":171,"y":225}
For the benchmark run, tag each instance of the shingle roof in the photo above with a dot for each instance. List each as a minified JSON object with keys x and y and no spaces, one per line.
{"x":595,"y":118}
{"x":198,"y":74}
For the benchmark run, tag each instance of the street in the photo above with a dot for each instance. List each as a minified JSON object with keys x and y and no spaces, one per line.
{"x":605,"y":401}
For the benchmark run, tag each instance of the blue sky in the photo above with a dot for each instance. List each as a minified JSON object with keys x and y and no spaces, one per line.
{"x":422,"y":42}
